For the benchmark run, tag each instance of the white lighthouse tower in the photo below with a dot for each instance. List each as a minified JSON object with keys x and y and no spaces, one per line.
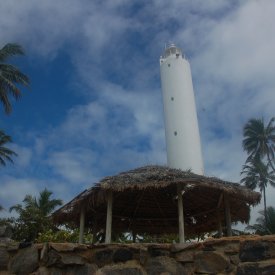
{"x":181,"y":123}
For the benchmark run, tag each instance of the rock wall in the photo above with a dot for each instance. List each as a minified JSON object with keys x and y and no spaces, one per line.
{"x":235,"y":255}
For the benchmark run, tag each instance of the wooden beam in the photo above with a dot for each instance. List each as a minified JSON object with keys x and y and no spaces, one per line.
{"x":81,"y":224}
{"x":227,"y":215}
{"x":108,"y":232}
{"x":181,"y":215}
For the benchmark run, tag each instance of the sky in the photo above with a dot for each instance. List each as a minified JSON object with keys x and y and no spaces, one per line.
{"x":94,"y":107}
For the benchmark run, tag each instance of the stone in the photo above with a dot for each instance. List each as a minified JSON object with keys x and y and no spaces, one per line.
{"x":261,"y":268}
{"x":128,"y":268}
{"x":64,"y":247}
{"x":63,"y":258}
{"x":185,"y":256}
{"x":256,"y":250}
{"x":103,"y":257}
{"x":143,"y":255}
{"x":234,"y":259}
{"x":25,"y":261}
{"x":210,"y":262}
{"x":43,"y":271}
{"x":162,"y":264}
{"x":44,"y":253}
{"x":53,"y":258}
{"x":5,"y":231}
{"x":87,"y":269}
{"x":208,"y":247}
{"x":4,"y":258}
{"x":178,"y":247}
{"x":188,"y":268}
{"x":122,"y":255}
{"x":71,"y":259}
{"x":231,"y":248}
{"x":155,"y":251}
{"x":12,"y":246}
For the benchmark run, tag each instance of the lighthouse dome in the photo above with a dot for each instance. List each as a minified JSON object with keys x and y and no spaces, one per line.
{"x":171,"y":49}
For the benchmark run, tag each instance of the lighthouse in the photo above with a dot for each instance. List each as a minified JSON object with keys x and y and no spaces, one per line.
{"x":181,"y":124}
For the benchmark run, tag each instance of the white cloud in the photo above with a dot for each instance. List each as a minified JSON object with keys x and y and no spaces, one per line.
{"x":13,"y":190}
{"x":75,"y":166}
{"x":24,"y":155}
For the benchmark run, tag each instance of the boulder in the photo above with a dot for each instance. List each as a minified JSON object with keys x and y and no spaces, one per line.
{"x":122,"y":255}
{"x":260,"y":268}
{"x":162,"y":264}
{"x":128,"y":268}
{"x":63,"y":258}
{"x":25,"y":261}
{"x":256,"y":250}
{"x":103,"y":257}
{"x":159,"y":250}
{"x":87,"y":269}
{"x":65,"y":247}
{"x":185,"y":256}
{"x":210,"y":262}
{"x":4,"y":258}
{"x":178,"y":247}
{"x":5,"y":231}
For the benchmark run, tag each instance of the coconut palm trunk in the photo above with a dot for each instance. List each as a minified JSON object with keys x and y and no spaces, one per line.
{"x":265,"y":211}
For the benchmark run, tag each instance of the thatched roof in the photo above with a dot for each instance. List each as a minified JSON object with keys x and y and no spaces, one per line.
{"x":145,"y":200}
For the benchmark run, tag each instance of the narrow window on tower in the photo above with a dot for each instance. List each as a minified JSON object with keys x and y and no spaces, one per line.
{"x":175,"y":133}
{"x":168,"y":65}
{"x":172,"y":98}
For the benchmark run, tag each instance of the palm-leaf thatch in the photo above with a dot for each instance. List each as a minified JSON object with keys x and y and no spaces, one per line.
{"x":145,"y":201}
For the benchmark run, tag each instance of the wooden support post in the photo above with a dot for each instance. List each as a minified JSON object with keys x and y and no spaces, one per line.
{"x":134,"y":236}
{"x":81,"y":224}
{"x":108,"y":232}
{"x":219,"y":216}
{"x":181,"y":215}
{"x":227,"y":215}
{"x":219,"y":223}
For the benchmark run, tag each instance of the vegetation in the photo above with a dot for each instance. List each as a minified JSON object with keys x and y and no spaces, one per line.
{"x":5,"y":153}
{"x":34,"y":216}
{"x":259,"y":144}
{"x":259,"y":140}
{"x":258,"y":175}
{"x":63,"y":235}
{"x":265,"y":224}
{"x":10,"y":76}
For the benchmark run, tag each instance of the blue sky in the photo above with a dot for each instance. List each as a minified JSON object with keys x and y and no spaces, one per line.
{"x":95,"y":106}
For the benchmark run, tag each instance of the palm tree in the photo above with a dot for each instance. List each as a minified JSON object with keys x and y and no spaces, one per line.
{"x":259,"y":140}
{"x":265,"y":223}
{"x":5,"y":153}
{"x":258,"y":175}
{"x":10,"y":76}
{"x":34,"y":215}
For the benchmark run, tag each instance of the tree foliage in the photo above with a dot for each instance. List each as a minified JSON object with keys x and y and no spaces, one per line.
{"x":259,"y":144}
{"x":34,"y":216}
{"x":259,"y":140}
{"x":5,"y":153}
{"x":264,"y":227}
{"x":10,"y":76}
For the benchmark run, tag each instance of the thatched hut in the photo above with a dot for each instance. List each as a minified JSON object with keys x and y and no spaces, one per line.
{"x":157,"y":200}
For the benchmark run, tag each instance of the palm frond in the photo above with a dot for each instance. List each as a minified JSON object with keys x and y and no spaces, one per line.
{"x":10,"y":76}
{"x":10,"y":50}
{"x":5,"y":153}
